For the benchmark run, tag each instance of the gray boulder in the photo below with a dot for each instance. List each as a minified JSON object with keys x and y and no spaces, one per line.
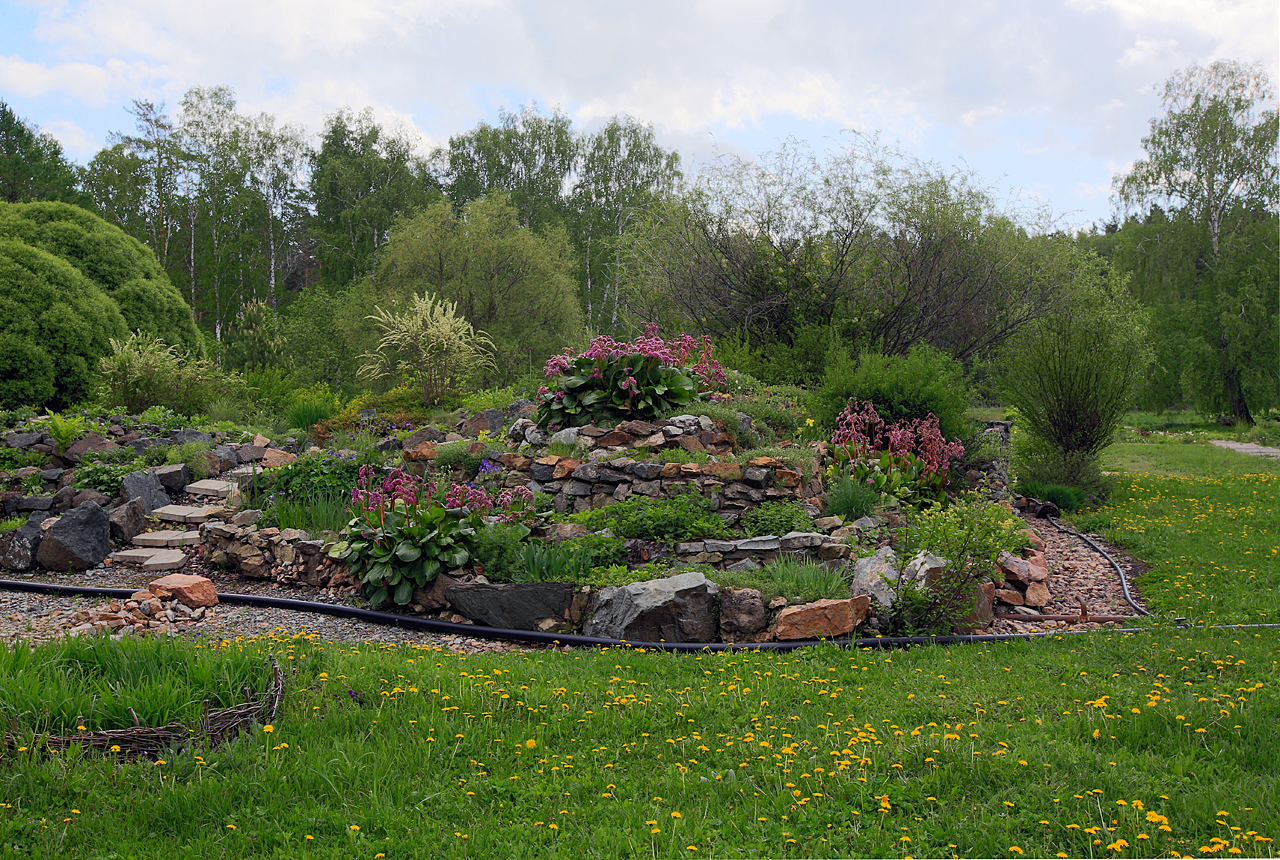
{"x":145,"y":487}
{"x":872,"y":576}
{"x":18,"y":548}
{"x":742,"y":612}
{"x":182,"y":437}
{"x":512,"y":605}
{"x":679,"y":608}
{"x":79,"y":540}
{"x":172,"y":478}
{"x":128,"y":521}
{"x":567,"y":436}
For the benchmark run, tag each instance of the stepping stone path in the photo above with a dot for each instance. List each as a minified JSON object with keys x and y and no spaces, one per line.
{"x":185,"y":513}
{"x":167,"y":539}
{"x":211,"y":487}
{"x":152,"y":558}
{"x":1247,"y":448}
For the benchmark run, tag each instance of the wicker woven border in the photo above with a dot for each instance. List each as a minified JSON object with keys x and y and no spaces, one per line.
{"x":216,"y":727}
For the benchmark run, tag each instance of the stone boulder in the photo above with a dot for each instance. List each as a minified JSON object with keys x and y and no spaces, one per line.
{"x":18,"y":548}
{"x":822,"y":619}
{"x":92,"y":442}
{"x":513,"y":605}
{"x":128,"y":521}
{"x":274,"y":458}
{"x":742,"y":613}
{"x":78,"y":540}
{"x":432,"y":598}
{"x":872,"y":577}
{"x":187,"y":589}
{"x":173,"y":478}
{"x":679,"y":608}
{"x":182,"y":437}
{"x":487,"y":421}
{"x":146,"y":488}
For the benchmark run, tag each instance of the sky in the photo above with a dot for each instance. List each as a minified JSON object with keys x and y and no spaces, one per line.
{"x":1045,"y":100}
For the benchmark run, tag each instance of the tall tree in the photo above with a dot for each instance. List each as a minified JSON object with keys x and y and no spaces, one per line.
{"x":1213,"y":162}
{"x":527,"y":156}
{"x":32,"y":166}
{"x":621,"y":171}
{"x":363,"y":178}
{"x":507,"y":280}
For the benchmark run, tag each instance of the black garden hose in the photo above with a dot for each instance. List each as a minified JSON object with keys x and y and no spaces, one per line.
{"x":528,"y":637}
{"x":1124,"y":582}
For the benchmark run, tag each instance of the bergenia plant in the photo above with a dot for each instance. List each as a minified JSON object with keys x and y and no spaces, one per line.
{"x":905,"y":461}
{"x":398,"y":539}
{"x":612,"y":381}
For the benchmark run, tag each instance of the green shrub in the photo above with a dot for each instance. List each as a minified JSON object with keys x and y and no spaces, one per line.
{"x":163,"y":417}
{"x":270,"y":386}
{"x":1066,"y":498}
{"x":499,"y":552}
{"x":116,"y":263}
{"x":103,"y":477}
{"x":902,"y":388}
{"x":687,"y":516}
{"x":142,"y":371}
{"x":598,"y":550}
{"x":776,"y":518}
{"x":544,"y":563}
{"x":55,"y":324}
{"x":970,"y":535}
{"x":1071,"y":377}
{"x":11,"y":524}
{"x":455,"y":455}
{"x":851,"y":499}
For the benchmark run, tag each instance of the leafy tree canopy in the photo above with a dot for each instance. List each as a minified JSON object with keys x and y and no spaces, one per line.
{"x":508,"y":281}
{"x":32,"y":166}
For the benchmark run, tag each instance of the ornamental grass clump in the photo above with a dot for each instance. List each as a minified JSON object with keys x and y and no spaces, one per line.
{"x":907,"y":461}
{"x":613,"y":381}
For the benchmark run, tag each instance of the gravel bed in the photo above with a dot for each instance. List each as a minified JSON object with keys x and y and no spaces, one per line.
{"x":1077,"y":572}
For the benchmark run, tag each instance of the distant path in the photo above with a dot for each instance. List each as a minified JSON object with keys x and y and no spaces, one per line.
{"x":1247,"y":448}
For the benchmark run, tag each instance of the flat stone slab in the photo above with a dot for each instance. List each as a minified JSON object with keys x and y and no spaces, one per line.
{"x":1247,"y":448}
{"x":167,"y":539}
{"x":210,"y":487}
{"x":134,"y":556}
{"x":165,"y":559}
{"x":242,"y":475}
{"x":184,"y":513}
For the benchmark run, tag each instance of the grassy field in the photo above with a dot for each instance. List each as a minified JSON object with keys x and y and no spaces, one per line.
{"x":1207,"y":521}
{"x":1109,"y":744}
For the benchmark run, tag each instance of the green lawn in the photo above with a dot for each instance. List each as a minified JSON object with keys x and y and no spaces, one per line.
{"x":1207,"y":521}
{"x":1105,"y":744}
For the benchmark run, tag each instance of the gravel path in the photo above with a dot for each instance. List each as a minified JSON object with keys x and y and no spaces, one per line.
{"x":1077,"y":572}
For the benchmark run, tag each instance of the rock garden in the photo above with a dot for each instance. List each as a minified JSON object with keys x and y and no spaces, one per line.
{"x":560,"y":514}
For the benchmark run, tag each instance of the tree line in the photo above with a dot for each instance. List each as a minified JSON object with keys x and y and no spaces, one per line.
{"x":542,"y":233}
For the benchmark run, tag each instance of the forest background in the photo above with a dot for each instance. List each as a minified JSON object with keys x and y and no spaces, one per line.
{"x":798,"y":264}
